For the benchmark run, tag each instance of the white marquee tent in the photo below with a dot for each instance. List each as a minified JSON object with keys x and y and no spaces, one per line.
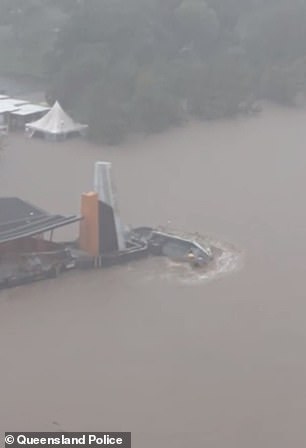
{"x":56,"y":124}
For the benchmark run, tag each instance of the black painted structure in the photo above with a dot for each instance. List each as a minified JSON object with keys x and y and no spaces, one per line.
{"x":107,"y":229}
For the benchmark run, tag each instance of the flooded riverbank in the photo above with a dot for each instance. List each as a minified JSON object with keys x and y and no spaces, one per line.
{"x":178,"y":363}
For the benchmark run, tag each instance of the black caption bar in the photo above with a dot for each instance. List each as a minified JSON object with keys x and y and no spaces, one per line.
{"x":65,"y":439}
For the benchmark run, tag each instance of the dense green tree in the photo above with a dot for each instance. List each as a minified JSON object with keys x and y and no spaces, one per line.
{"x":144,"y":65}
{"x":198,"y":25}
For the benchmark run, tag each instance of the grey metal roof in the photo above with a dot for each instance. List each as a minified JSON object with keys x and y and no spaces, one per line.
{"x":19,"y":219}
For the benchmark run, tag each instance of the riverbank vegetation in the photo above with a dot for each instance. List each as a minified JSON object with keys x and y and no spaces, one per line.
{"x":128,"y":66}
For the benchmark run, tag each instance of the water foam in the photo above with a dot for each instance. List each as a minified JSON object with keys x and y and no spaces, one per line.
{"x":226,"y":259}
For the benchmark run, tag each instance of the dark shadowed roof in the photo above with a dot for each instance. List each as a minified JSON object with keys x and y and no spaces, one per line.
{"x":19,"y":219}
{"x":14,"y":209}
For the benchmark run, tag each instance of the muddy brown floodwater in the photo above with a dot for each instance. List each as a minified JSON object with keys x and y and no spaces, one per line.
{"x":180,"y":364}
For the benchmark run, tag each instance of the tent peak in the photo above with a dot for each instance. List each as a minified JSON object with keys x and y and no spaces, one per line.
{"x":56,"y":122}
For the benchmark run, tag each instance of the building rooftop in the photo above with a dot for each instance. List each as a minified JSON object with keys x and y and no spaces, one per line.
{"x":14,"y":209}
{"x":20,"y":219}
{"x":10,"y":105}
{"x":13,"y":102}
{"x":7,"y":107}
{"x":30,"y":109}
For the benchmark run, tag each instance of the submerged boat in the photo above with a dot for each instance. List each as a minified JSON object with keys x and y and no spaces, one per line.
{"x":173,"y":246}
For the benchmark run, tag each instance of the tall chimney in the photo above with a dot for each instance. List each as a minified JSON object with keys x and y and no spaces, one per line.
{"x":111,"y":237}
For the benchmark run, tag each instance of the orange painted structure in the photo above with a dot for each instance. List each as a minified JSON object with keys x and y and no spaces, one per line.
{"x":89,"y":226}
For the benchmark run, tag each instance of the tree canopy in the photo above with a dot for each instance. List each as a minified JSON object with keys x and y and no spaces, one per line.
{"x":128,"y":66}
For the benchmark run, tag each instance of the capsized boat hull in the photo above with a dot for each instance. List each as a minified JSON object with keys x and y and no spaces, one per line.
{"x":173,"y":246}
